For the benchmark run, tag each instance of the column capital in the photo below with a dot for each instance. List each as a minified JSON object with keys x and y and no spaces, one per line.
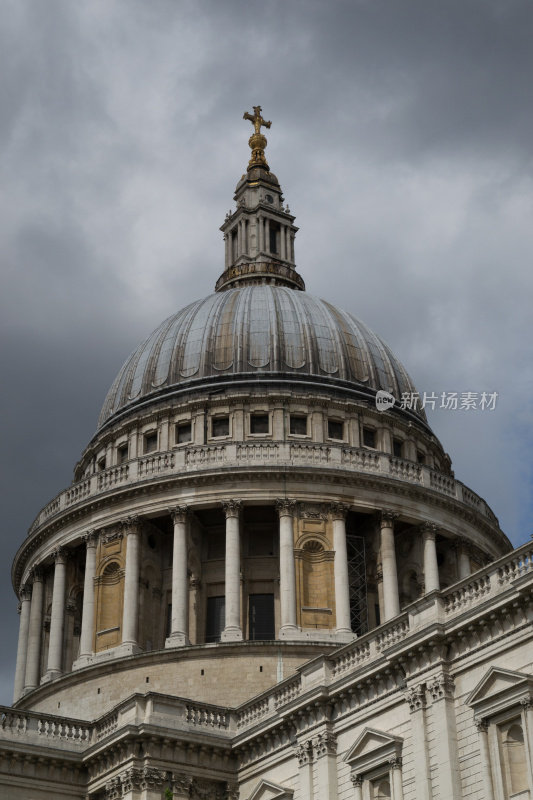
{"x":415,"y":697}
{"x":526,"y":702}
{"x":428,"y":530}
{"x":357,"y":780}
{"x":37,"y":574}
{"x":338,"y":511}
{"x":387,"y":518}
{"x":285,"y":507}
{"x":91,"y":537}
{"x":231,"y":507}
{"x":481,"y":724}
{"x":304,"y":753}
{"x":24,"y":592}
{"x":178,"y":513}
{"x":130,"y":524}
{"x":325,"y":744}
{"x":441,"y":687}
{"x":60,"y":555}
{"x":395,"y":762}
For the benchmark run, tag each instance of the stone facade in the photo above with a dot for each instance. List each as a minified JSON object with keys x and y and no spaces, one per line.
{"x":258,"y":585}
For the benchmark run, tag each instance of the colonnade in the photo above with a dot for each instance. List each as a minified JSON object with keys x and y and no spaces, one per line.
{"x":32,"y":602}
{"x":242,"y":240}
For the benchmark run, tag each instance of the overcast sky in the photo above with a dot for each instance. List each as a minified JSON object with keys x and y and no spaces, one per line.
{"x":402,"y":137}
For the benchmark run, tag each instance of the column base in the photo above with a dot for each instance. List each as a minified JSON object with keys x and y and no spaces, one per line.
{"x":83,"y":661}
{"x":289,"y":632}
{"x":231,"y":635}
{"x":345,"y":635}
{"x":177,"y":640}
{"x":51,"y":675}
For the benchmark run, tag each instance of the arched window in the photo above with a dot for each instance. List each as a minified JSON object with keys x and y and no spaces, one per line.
{"x":381,"y":789}
{"x":514,"y":758}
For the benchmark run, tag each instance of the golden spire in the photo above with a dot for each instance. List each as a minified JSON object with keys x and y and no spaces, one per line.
{"x":257,"y":141}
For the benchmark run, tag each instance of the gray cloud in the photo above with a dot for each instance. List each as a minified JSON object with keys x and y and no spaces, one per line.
{"x":401,"y":136}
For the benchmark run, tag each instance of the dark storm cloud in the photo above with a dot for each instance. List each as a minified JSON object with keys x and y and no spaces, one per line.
{"x":402,"y":138}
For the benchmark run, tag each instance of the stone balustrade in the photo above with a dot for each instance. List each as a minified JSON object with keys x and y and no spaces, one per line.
{"x":45,"y":729}
{"x":185,"y":460}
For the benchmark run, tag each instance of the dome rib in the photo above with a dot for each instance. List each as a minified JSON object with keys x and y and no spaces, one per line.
{"x":252,"y":332}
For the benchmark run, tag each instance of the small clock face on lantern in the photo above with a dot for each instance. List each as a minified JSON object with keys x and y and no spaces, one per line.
{"x":269,"y":198}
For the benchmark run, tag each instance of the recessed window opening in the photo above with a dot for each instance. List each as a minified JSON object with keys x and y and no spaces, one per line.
{"x":420,"y":457}
{"x":100,"y":464}
{"x":274,"y":236}
{"x":220,"y":426}
{"x":183,"y":432}
{"x":335,"y":429}
{"x":122,"y":453}
{"x":261,"y":617}
{"x":369,"y":437}
{"x":259,"y":423}
{"x":397,"y":448}
{"x":216,"y":611}
{"x":298,"y":425}
{"x":150,"y":442}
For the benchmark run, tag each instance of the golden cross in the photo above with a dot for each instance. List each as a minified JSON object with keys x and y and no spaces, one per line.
{"x":256,"y":120}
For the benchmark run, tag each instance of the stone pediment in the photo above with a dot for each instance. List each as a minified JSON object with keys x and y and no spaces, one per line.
{"x":373,"y":748}
{"x":266,"y":790}
{"x":498,"y":689}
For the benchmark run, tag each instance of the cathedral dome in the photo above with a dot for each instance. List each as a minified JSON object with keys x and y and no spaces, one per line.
{"x":260,"y":333}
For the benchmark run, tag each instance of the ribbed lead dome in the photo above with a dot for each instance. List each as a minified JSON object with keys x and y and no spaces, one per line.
{"x":256,"y":332}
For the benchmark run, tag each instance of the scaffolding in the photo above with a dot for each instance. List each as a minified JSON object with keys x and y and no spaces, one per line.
{"x":357,"y":580}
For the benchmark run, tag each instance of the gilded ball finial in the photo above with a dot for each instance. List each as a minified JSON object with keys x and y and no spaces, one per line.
{"x":257,"y":141}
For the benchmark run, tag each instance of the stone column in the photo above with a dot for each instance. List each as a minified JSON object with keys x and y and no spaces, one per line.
{"x":441,"y":690}
{"x":287,"y":576}
{"x":391,"y":599}
{"x":260,"y":234}
{"x":463,"y":559}
{"x":267,"y":235}
{"x":22,"y":649}
{"x":482,"y":728}
{"x":416,"y":698}
{"x":232,"y":631}
{"x":325,"y":747}
{"x":57,"y":621}
{"x":130,"y":617}
{"x":342,"y":584}
{"x":526,"y":704}
{"x":304,"y":754}
{"x":87,"y":612}
{"x":35,"y":632}
{"x":357,"y":781}
{"x":397,"y":783}
{"x":431,"y":567}
{"x":282,"y":243}
{"x":179,"y":630}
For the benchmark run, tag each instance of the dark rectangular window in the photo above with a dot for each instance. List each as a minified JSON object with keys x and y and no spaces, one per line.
{"x":420,"y":457}
{"x":298,"y":425}
{"x":183,"y":432}
{"x":261,"y":617}
{"x":122,"y":453}
{"x":369,"y":437}
{"x":220,"y":426}
{"x":168,"y":626}
{"x":216,"y":612}
{"x":150,"y":442}
{"x":216,"y":544}
{"x":259,"y":423}
{"x":397,"y":447}
{"x":100,"y":464}
{"x":274,"y":237}
{"x":335,"y":429}
{"x":261,"y":542}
